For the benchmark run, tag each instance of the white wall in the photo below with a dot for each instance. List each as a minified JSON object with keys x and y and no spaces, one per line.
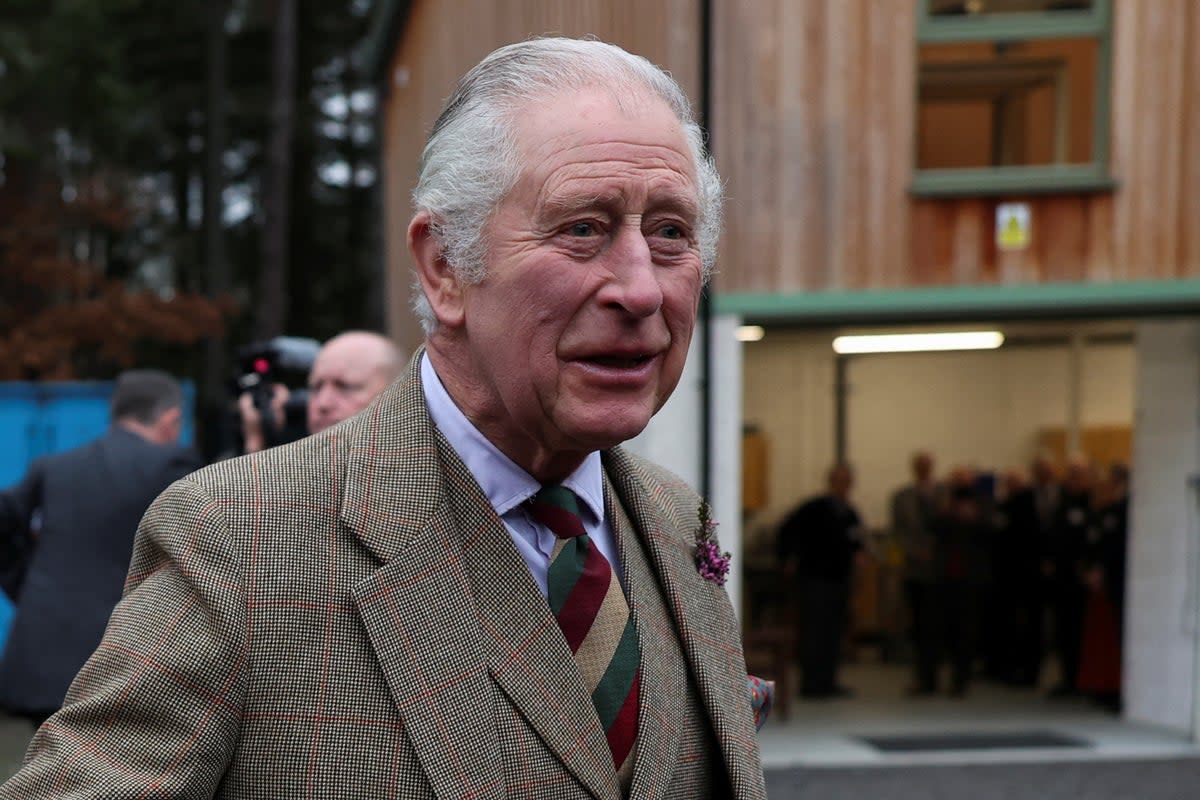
{"x":673,"y":439}
{"x":983,"y":408}
{"x":1160,"y":638}
{"x":788,"y":392}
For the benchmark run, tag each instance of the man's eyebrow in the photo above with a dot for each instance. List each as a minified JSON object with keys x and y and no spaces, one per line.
{"x":680,"y":204}
{"x":566,"y":205}
{"x":571,"y":203}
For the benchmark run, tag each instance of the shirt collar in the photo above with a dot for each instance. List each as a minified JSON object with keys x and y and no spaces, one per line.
{"x":505,"y":484}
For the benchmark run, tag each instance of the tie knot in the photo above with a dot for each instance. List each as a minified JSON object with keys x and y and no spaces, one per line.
{"x":557,"y":507}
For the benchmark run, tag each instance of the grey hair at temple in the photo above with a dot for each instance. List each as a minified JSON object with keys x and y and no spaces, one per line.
{"x":469,"y":162}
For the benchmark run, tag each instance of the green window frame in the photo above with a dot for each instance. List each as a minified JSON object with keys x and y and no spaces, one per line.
{"x":1094,"y":22}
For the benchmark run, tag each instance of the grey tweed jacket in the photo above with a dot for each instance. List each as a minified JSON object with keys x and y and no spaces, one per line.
{"x":347,"y":617}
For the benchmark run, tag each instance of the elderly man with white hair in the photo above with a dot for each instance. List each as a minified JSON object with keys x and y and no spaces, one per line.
{"x":470,"y":589}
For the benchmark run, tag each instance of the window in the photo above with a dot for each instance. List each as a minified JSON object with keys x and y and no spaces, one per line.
{"x":1012,"y":96}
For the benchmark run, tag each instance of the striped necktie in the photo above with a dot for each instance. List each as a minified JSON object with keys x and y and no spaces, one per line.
{"x":590,"y":607}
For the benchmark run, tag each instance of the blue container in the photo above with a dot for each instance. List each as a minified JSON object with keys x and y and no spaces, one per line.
{"x":37,"y":419}
{"x":7,"y":612}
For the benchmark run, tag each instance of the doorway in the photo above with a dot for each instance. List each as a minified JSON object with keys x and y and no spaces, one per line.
{"x":1054,"y":388}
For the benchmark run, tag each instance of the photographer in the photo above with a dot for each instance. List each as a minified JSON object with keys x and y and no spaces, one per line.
{"x":349,"y":371}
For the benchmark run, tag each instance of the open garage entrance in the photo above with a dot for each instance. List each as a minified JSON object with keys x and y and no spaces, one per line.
{"x":1117,"y":391}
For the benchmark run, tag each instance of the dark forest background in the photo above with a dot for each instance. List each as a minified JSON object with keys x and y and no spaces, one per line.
{"x":179,"y":178}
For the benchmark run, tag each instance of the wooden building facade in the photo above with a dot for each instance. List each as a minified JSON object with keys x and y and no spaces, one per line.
{"x":819,"y":122}
{"x":816,"y":116}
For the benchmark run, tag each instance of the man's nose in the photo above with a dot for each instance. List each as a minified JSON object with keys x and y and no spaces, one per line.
{"x":321,"y":396}
{"x":634,"y":286}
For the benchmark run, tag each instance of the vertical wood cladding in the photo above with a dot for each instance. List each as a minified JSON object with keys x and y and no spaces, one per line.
{"x":813,"y":120}
{"x":813,"y":131}
{"x":813,"y":124}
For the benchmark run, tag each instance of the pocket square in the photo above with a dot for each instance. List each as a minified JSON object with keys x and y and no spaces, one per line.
{"x":762,"y":693}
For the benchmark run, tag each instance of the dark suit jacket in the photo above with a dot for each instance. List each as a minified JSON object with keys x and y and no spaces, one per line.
{"x":914,"y":514}
{"x":1069,"y":542}
{"x":89,"y":501}
{"x":347,"y":616}
{"x":822,"y":535}
{"x":1020,"y":543}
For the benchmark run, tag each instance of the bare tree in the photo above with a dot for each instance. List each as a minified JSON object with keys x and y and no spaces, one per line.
{"x":273,"y":287}
{"x":216,"y":261}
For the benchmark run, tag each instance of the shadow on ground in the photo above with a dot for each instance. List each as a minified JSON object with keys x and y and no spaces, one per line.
{"x":1166,"y":779}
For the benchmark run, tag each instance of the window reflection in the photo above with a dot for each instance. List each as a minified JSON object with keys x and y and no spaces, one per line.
{"x":991,"y":104}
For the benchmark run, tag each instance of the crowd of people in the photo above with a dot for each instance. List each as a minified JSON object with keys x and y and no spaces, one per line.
{"x":1013,"y":580}
{"x":1007,"y":579}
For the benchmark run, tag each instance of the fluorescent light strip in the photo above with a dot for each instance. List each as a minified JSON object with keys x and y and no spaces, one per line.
{"x":919,"y":342}
{"x":749,"y":333}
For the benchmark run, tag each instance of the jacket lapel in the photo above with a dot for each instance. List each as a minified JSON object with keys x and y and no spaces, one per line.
{"x":427,"y":642}
{"x":453,"y":610}
{"x":414,"y":606}
{"x":708,"y":631}
{"x":525,"y":650}
{"x":664,"y":674}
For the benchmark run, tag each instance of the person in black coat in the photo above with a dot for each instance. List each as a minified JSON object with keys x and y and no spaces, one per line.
{"x":963,"y":562}
{"x":73,"y":517}
{"x":817,"y":543}
{"x":1017,"y":560}
{"x":1065,"y":558}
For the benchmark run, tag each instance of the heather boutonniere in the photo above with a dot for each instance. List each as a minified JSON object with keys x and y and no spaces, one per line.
{"x":711,"y":562}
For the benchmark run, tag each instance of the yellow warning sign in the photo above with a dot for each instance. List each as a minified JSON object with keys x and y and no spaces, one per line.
{"x":1013,"y":226}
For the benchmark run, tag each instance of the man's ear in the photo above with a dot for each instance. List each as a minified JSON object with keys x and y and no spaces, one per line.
{"x":438,"y":280}
{"x":169,"y":425}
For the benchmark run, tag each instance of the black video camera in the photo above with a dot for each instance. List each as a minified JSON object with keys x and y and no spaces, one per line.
{"x":284,"y":360}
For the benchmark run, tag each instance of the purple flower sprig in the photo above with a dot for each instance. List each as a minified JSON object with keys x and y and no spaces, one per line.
{"x":711,"y":562}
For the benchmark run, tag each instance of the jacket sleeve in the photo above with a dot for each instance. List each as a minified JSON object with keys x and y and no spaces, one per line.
{"x":156,"y":710}
{"x":17,"y":504}
{"x":18,"y":501}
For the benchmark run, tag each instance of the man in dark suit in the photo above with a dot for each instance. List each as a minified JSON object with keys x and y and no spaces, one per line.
{"x":469,"y":589}
{"x":1017,"y":556}
{"x":1026,"y":521}
{"x":79,"y":511}
{"x":1066,"y":554}
{"x":817,"y":543}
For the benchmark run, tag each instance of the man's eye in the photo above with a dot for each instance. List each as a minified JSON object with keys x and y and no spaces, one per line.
{"x":582,"y":229}
{"x":671,"y":232}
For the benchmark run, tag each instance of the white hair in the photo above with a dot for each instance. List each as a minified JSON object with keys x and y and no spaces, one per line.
{"x":470,"y":161}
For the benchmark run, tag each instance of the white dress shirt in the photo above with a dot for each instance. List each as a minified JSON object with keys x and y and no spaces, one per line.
{"x":507,"y":486}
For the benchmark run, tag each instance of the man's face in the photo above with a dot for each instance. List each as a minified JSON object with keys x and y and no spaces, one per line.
{"x":578,"y":333}
{"x":343,"y":381}
{"x":923,"y":467}
{"x":841,"y":481}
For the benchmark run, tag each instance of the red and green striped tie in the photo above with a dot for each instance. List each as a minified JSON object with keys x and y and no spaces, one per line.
{"x":590,"y":607}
